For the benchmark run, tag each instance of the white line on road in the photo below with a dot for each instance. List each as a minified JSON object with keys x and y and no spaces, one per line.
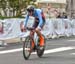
{"x":72,"y":53}
{"x":58,"y":50}
{"x":72,"y":40}
{"x":11,"y":51}
{"x":46,"y":51}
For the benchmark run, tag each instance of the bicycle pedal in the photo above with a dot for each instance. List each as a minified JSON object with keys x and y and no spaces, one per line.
{"x":41,"y":47}
{"x":33,"y":49}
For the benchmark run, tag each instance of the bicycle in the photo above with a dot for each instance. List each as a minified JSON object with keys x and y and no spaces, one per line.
{"x":27,"y":45}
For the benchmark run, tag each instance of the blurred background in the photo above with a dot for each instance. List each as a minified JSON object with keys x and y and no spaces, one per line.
{"x":51,"y":8}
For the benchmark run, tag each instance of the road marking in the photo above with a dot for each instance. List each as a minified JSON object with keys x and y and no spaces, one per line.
{"x":61,"y":49}
{"x":72,"y":53}
{"x":11,"y":51}
{"x":72,"y":40}
{"x":46,"y":51}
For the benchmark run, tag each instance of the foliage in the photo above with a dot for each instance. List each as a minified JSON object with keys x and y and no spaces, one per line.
{"x":16,"y":5}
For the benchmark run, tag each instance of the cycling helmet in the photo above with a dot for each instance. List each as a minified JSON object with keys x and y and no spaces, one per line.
{"x":30,"y":8}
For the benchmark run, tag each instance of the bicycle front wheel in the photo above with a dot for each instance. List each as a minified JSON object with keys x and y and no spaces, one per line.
{"x":27,"y":48}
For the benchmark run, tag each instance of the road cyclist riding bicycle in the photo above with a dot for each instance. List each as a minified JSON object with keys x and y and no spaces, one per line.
{"x":37,"y":25}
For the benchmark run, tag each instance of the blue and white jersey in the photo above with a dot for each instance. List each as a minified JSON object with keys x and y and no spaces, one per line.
{"x":38,"y":13}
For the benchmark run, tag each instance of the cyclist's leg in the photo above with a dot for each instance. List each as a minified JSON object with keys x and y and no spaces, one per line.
{"x":41,"y":37}
{"x":38,"y":31}
{"x":32,"y":40}
{"x":35,"y":24}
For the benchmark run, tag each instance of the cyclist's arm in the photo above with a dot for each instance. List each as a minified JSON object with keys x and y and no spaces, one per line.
{"x":40,"y":19}
{"x":25,"y":22}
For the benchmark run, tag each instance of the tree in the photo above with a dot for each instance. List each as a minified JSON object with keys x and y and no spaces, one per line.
{"x":16,"y":5}
{"x":3,"y":5}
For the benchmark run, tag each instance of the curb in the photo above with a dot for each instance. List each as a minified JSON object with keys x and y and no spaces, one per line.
{"x":9,"y":41}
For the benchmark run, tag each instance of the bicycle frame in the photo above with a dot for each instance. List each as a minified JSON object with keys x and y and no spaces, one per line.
{"x":30,"y":49}
{"x":35,"y":38}
{"x":27,"y":33}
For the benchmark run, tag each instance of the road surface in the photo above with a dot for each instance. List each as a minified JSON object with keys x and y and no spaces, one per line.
{"x":58,"y":51}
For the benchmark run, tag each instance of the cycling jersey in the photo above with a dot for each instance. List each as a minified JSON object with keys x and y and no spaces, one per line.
{"x":38,"y":13}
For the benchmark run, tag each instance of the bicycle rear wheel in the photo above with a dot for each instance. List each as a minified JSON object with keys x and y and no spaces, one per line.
{"x":40,"y":52}
{"x":27,"y":48}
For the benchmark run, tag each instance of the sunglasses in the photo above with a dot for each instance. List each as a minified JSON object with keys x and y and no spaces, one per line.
{"x":29,"y":10}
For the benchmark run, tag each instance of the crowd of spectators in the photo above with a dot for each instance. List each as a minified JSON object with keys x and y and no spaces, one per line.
{"x":62,"y":15}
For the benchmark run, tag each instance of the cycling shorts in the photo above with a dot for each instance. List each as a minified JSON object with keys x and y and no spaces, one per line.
{"x":36,"y":22}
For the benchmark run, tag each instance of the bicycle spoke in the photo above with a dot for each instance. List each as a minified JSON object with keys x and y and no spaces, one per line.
{"x":27,"y":48}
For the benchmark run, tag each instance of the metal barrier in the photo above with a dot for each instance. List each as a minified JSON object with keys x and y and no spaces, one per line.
{"x":54,"y":28}
{"x":1,"y":27}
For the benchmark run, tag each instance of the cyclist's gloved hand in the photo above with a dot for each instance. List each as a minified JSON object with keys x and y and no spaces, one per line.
{"x":22,"y":27}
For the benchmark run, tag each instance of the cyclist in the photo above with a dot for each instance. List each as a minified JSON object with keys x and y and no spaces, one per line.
{"x":38,"y":22}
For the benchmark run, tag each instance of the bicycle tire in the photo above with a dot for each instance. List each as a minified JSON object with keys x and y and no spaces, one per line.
{"x":26,"y":43}
{"x":39,"y":51}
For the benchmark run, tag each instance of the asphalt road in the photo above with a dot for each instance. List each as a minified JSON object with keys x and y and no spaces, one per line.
{"x":58,"y":51}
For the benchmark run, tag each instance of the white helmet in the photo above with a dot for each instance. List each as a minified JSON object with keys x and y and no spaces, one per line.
{"x":30,"y":8}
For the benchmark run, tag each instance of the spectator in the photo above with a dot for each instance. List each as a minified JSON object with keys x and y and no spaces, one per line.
{"x":64,"y":15}
{"x":59,"y":15}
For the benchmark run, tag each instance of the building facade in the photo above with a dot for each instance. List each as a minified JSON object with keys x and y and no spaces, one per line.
{"x":70,"y":8}
{"x":52,"y":6}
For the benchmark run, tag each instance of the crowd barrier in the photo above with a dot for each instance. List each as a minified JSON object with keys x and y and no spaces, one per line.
{"x":1,"y":27}
{"x":10,"y":28}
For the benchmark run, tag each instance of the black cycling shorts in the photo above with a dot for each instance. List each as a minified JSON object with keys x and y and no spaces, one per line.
{"x":36,"y":22}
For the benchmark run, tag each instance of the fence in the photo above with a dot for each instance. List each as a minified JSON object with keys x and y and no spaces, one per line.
{"x":10,"y":28}
{"x":1,"y":27}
